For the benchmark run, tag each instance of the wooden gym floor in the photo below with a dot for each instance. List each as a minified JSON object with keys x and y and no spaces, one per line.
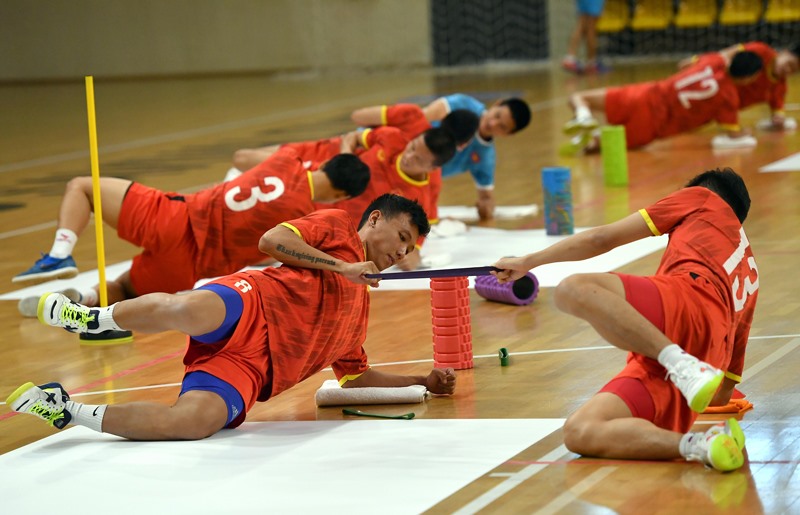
{"x":180,"y":134}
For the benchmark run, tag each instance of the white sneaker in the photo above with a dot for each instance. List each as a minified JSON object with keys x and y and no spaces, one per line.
{"x":29,"y":306}
{"x":720,"y":447}
{"x":48,"y":402}
{"x":579,"y":125}
{"x":698,"y":381}
{"x":58,"y":310}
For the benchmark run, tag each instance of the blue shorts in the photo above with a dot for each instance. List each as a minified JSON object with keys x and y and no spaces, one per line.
{"x":233,"y":312}
{"x":590,"y":7}
{"x":199,"y":380}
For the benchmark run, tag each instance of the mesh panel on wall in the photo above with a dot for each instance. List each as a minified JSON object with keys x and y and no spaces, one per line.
{"x":664,"y":27}
{"x":467,"y":32}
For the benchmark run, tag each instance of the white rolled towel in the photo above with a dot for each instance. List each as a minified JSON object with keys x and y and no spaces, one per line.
{"x":331,"y":394}
{"x":723,"y":141}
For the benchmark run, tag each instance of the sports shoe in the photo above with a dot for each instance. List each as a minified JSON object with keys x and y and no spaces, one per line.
{"x":580,"y":125}
{"x":57,"y":310}
{"x":48,"y":268}
{"x":571,"y":65}
{"x":720,"y":447}
{"x":698,"y":381}
{"x":596,"y":68}
{"x":576,"y":144}
{"x":48,"y":402}
{"x":731,"y":428}
{"x":29,"y":306}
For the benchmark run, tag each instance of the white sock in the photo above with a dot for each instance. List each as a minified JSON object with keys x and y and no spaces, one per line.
{"x":87,"y":415}
{"x":232,"y":174}
{"x":582,"y":113}
{"x":105,"y":319}
{"x":89,"y":297}
{"x":671,"y":355}
{"x":687,"y":446}
{"x":63,"y":243}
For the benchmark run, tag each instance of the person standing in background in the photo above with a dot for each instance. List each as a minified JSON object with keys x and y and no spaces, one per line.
{"x":585,"y":31}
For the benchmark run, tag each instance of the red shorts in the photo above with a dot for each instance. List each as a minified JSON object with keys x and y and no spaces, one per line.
{"x":243,"y":359}
{"x":630,"y":106}
{"x":692,"y":315}
{"x":159,"y":223}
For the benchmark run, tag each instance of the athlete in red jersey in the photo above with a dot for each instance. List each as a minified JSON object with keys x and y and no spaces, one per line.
{"x":476,"y":152}
{"x":770,"y":85}
{"x":699,"y":94}
{"x":398,"y":164}
{"x":701,"y":298}
{"x":254,"y":334}
{"x":205,"y":234}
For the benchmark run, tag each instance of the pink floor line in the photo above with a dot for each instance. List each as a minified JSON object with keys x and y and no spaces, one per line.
{"x":578,"y":461}
{"x":123,"y":373}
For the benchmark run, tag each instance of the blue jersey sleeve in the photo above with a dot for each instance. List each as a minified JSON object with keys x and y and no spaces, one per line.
{"x":462,"y":101}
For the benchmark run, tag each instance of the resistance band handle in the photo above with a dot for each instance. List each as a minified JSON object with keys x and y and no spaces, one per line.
{"x":359,"y":413}
{"x":429,"y":274}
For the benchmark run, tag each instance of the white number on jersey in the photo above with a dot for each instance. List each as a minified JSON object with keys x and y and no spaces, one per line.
{"x":708,"y":83}
{"x":732,"y":263}
{"x":243,"y":286}
{"x":256,"y":195}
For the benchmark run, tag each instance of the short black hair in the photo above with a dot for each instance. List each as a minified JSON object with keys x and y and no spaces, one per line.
{"x":462,"y":124}
{"x":729,"y":185}
{"x":795,"y":49}
{"x":347,"y":173}
{"x":441,"y":143}
{"x":520,"y":112}
{"x":392,"y":205}
{"x":745,"y":64}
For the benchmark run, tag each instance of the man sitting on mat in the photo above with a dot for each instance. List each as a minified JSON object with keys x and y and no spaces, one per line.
{"x":252,"y":334}
{"x":686,"y":327}
{"x":187,"y":237}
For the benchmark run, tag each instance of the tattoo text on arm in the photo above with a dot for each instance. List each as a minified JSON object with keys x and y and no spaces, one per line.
{"x":304,"y":257}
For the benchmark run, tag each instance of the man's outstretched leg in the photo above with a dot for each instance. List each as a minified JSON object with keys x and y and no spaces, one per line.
{"x":600,"y":299}
{"x":196,"y":414}
{"x":195,"y":313}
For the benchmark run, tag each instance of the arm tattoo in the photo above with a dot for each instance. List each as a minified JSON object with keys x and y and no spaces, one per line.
{"x":304,"y":257}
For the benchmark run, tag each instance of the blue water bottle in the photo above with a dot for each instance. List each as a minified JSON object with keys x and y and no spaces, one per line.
{"x":557,"y":188}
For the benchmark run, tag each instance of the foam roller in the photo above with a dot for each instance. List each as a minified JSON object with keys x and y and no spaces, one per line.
{"x":520,"y":293}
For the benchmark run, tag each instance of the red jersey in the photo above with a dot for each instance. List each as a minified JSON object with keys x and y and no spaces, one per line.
{"x":701,"y":93}
{"x":766,"y":87}
{"x":409,"y":118}
{"x":228,"y":219}
{"x":295,"y":321}
{"x":706,"y":240}
{"x":383,"y":148}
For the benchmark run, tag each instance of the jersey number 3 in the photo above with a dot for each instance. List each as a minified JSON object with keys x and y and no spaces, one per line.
{"x":256,"y":195}
{"x":732,"y":264}
{"x":708,"y":87}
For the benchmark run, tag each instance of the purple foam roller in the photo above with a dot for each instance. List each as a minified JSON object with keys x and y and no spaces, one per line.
{"x":520,"y":293}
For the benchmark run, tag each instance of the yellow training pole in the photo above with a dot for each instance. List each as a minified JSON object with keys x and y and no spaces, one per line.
{"x":98,"y":208}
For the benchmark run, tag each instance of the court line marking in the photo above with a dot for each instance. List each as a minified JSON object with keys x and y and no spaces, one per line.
{"x":81,"y":391}
{"x":569,"y":496}
{"x":512,"y":481}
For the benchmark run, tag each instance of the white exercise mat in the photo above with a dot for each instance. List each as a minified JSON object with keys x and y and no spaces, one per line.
{"x":348,"y":467}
